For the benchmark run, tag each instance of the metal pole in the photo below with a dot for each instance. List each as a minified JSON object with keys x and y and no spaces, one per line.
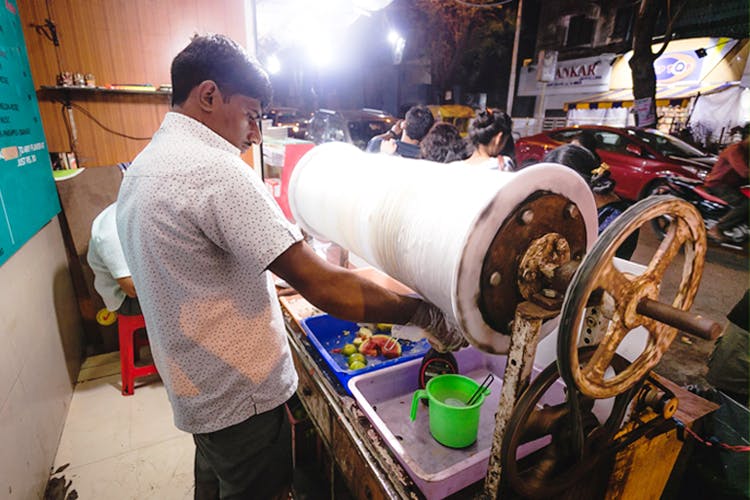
{"x":514,"y":59}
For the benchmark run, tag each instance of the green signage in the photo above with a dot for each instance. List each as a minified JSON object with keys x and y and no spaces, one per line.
{"x":28,"y":198}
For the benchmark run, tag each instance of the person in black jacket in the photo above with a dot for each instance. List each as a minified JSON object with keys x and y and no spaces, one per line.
{"x":404,"y":137}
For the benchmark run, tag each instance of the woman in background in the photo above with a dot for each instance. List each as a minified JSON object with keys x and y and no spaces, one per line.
{"x":580,"y":155}
{"x":443,"y":144}
{"x":492,"y":141}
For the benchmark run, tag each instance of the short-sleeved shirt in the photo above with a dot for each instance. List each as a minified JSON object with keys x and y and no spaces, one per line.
{"x":106,"y":258}
{"x":199,"y":230}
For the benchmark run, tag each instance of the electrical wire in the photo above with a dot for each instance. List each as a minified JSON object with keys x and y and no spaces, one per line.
{"x":711,"y":442}
{"x":68,"y":128}
{"x":91,"y":117}
{"x":53,"y":37}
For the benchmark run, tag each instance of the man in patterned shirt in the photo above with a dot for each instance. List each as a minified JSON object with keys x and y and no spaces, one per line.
{"x":200,"y":233}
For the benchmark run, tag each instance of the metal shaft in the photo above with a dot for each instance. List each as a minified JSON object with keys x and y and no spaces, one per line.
{"x":687,"y":322}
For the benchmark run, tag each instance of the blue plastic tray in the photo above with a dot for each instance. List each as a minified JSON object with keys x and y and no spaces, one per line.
{"x":327,"y":333}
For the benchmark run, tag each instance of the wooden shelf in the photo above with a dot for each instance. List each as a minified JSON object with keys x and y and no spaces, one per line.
{"x":101,"y":90}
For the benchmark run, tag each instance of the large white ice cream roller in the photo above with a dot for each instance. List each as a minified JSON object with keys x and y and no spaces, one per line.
{"x":467,"y":239}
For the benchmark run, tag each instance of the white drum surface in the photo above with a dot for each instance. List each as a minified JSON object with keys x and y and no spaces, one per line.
{"x":420,"y":222}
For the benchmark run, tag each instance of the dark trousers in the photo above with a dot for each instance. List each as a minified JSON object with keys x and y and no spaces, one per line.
{"x":252,"y":459}
{"x":130,"y":307}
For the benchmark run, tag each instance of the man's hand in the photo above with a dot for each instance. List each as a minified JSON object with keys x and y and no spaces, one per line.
{"x":442,"y":334}
{"x":127,"y":286}
{"x":397,"y":129}
{"x":388,"y":147}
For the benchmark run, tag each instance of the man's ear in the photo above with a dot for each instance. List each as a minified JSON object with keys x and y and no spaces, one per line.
{"x":208,"y":94}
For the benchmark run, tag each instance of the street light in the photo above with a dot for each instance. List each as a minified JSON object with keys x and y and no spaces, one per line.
{"x":398,"y":43}
{"x":273,"y":65}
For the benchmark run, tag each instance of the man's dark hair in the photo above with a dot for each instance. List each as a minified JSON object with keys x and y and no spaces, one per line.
{"x":487,"y":124}
{"x":443,"y":144}
{"x":221,"y":59}
{"x":418,"y":122}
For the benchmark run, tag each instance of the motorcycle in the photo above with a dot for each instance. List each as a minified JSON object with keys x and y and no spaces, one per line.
{"x":711,"y":207}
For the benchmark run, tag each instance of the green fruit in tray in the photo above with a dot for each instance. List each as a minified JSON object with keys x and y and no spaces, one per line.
{"x":357,"y":365}
{"x":357,"y":357}
{"x":348,"y":349}
{"x":357,"y":341}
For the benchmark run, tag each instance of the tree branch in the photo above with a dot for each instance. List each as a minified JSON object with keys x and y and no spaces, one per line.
{"x":668,"y":32}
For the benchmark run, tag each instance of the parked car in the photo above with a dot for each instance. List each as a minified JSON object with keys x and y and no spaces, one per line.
{"x":639,"y":159}
{"x":353,"y":126}
{"x":289,"y":117}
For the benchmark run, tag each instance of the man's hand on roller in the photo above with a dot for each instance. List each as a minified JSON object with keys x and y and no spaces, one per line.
{"x":442,"y":334}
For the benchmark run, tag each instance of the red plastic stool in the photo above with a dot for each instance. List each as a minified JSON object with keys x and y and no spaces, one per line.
{"x":129,"y":343}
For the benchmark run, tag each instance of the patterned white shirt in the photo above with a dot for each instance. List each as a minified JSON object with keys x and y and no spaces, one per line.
{"x":199,"y":229}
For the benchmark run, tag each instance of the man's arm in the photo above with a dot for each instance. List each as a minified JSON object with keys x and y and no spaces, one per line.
{"x":126,"y":283}
{"x":339,"y":291}
{"x":375,"y":145}
{"x":347,"y":295}
{"x":736,"y":156}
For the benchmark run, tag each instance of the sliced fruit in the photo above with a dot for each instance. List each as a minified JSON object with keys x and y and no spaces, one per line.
{"x":383,"y":327}
{"x":357,"y":341}
{"x":391,"y":348}
{"x":369,"y":348}
{"x":364,"y":332}
{"x":357,"y":357}
{"x":381,"y":344}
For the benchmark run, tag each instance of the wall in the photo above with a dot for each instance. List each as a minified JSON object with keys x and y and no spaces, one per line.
{"x":119,"y":41}
{"x":40,"y":355}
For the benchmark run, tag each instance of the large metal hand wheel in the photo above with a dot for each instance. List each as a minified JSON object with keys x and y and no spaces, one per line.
{"x":557,"y":465}
{"x":598,"y":282}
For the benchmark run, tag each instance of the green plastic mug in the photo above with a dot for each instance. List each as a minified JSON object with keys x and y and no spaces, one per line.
{"x":452,"y":422}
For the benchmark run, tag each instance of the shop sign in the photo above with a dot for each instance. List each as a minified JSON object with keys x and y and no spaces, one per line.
{"x":581,"y":73}
{"x":645,"y":112}
{"x":589,"y":74}
{"x":677,"y":67}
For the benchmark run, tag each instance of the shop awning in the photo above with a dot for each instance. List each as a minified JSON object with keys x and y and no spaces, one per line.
{"x":671,"y":95}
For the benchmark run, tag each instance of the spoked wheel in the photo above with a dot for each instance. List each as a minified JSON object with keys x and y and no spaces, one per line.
{"x":660,"y":225}
{"x":556,"y":466}
{"x":598,"y":282}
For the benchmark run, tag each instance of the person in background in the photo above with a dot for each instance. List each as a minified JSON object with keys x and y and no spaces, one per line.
{"x":491,"y":140}
{"x":112,"y":278}
{"x":724,"y":180}
{"x":729,"y":363}
{"x":580,"y":155}
{"x":403,"y":138}
{"x":202,"y":235}
{"x":443,"y":144}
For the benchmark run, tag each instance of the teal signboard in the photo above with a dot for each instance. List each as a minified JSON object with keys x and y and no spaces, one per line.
{"x":28,"y":198}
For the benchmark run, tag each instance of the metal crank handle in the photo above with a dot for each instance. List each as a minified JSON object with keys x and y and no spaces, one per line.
{"x":695,"y":324}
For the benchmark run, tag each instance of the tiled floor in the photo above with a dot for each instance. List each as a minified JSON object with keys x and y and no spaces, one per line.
{"x":123,"y":448}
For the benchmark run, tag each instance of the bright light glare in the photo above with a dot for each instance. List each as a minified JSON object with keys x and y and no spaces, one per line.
{"x":393,"y":37}
{"x":320,"y":54}
{"x":273,"y":65}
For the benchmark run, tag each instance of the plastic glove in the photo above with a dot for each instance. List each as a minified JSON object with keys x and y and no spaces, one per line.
{"x":442,"y":334}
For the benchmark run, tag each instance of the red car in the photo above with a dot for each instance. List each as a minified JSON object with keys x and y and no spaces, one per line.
{"x":638,"y":159}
